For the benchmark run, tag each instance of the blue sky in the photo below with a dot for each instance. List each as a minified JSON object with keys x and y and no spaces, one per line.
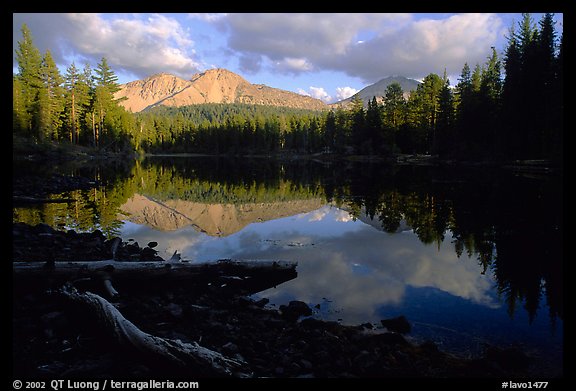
{"x":328,"y":56}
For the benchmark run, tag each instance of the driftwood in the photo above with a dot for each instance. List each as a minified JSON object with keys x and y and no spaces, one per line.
{"x":221,"y":277}
{"x":178,"y":355}
{"x":178,"y":270}
{"x":248,"y":276}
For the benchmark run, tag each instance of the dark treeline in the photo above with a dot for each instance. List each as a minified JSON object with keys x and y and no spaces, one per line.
{"x":510,"y":107}
{"x":223,"y":128}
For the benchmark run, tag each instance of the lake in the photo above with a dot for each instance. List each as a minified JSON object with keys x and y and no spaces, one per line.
{"x":470,"y":255}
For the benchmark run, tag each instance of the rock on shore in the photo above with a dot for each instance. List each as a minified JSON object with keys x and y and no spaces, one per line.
{"x":54,"y":340}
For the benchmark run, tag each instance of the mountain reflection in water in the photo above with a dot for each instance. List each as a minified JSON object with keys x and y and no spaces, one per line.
{"x":468,"y":256}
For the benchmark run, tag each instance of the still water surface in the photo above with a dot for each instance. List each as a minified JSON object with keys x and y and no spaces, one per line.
{"x":469,"y":256}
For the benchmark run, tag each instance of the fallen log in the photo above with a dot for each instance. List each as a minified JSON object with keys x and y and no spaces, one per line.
{"x":175,"y":354}
{"x":249,"y":276}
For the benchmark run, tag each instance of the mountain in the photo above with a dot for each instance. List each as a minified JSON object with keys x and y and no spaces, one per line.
{"x":213,"y":86}
{"x":378,"y":90}
{"x":212,"y":219}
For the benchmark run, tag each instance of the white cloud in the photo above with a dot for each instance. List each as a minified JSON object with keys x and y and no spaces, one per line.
{"x":342,"y":216}
{"x":345,"y":92}
{"x":294,"y":64}
{"x":208,"y":17}
{"x":282,"y":37}
{"x":392,"y":263}
{"x":316,"y":92}
{"x":363,"y":45}
{"x":141,"y":44}
{"x":317,"y":215}
{"x":400,"y":44}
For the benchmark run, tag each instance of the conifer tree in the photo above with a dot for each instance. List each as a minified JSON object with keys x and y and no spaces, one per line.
{"x":50,"y":99}
{"x":376,"y":141}
{"x":77,"y":102}
{"x":394,"y":106}
{"x":444,"y":141}
{"x":358,"y":123}
{"x":29,"y":63}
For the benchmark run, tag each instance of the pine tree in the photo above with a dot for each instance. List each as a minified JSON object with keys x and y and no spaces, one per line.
{"x":50,"y":99}
{"x":489,"y":105}
{"x":343,"y":130}
{"x":105,"y":105}
{"x":476,"y":78}
{"x":358,"y":123}
{"x":546,"y":51}
{"x":423,"y":112}
{"x":394,"y":106}
{"x":376,"y":142}
{"x":444,"y":141}
{"x":29,"y":63}
{"x":509,"y":140}
{"x":330,"y":131}
{"x":464,"y":101}
{"x":90,"y":107}
{"x":19,"y":112}
{"x":77,"y":102}
{"x":529,"y":91}
{"x":529,"y":134}
{"x":106,"y":77}
{"x":431,"y":86}
{"x":491,"y":82}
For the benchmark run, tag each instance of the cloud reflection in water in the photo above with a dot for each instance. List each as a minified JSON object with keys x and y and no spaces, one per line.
{"x":340,"y":260}
{"x":358,"y":267}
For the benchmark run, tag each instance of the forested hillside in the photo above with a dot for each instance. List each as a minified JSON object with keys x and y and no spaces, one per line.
{"x":510,"y":107}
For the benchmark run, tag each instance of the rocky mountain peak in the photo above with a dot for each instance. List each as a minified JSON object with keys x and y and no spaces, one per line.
{"x":218,"y":74}
{"x":378,"y":90}
{"x":216,"y":85}
{"x":141,"y":94}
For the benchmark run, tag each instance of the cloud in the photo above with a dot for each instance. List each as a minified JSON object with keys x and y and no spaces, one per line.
{"x":46,"y":30}
{"x":250,"y":64}
{"x":345,"y":92}
{"x":280,"y":36}
{"x":363,"y":269}
{"x":317,"y":215}
{"x":208,"y":17}
{"x":322,"y":94}
{"x":342,"y":216}
{"x":358,"y":267}
{"x":368,"y":46}
{"x":295,"y":65}
{"x":316,"y":92}
{"x":140,"y":44}
{"x":426,"y":46}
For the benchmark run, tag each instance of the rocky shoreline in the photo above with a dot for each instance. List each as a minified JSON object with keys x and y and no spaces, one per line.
{"x":51,"y":341}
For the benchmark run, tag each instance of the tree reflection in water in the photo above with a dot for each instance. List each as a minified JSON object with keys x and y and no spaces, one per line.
{"x":512,"y":224}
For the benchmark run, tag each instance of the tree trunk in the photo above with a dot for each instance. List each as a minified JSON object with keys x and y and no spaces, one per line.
{"x":247,"y":276}
{"x":73,"y":130}
{"x":94,"y":131}
{"x":180,"y":356}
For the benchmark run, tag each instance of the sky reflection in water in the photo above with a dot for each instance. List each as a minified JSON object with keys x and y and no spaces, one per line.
{"x":356,"y":273}
{"x":350,"y":262}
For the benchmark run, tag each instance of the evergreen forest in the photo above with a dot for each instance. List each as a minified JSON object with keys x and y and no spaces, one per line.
{"x":510,"y":107}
